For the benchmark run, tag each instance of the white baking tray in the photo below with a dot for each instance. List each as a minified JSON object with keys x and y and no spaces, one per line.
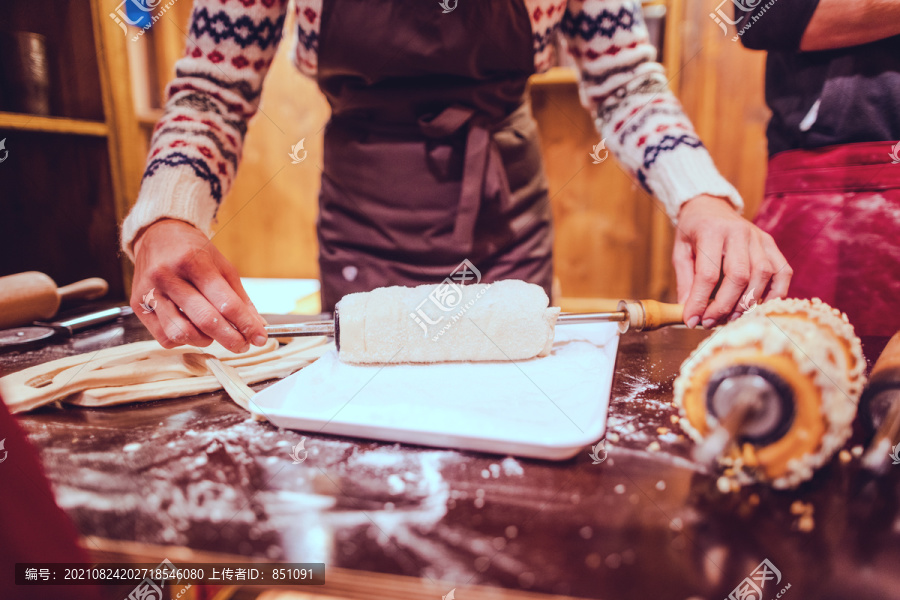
{"x":547,"y":408}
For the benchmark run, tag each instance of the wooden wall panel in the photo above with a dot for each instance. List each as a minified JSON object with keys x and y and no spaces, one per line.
{"x":598,"y":226}
{"x":266,"y":225}
{"x":722,"y":89}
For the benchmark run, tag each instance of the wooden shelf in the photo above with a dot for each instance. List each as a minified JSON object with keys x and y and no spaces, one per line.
{"x":555,"y":76}
{"x":26,"y":122}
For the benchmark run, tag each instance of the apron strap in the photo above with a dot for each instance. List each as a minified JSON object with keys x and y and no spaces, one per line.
{"x":483,"y":168}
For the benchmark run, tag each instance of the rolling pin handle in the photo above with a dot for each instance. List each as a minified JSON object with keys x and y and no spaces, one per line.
{"x":86,"y":289}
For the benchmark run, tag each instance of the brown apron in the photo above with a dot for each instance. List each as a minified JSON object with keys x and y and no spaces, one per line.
{"x":431,"y":153}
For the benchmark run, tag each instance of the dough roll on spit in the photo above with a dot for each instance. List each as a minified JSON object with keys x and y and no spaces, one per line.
{"x":784,"y":380}
{"x":506,"y":320}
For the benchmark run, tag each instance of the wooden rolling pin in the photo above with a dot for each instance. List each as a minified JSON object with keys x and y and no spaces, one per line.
{"x":33,"y":296}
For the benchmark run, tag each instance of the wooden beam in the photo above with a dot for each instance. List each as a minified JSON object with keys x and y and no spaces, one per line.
{"x":125,"y":154}
{"x":26,"y":122}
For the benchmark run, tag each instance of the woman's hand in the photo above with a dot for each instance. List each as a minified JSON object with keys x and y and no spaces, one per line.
{"x":182,"y":268}
{"x":711,"y":238}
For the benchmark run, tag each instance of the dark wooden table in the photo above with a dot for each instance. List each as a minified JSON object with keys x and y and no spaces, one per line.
{"x":646,"y":523}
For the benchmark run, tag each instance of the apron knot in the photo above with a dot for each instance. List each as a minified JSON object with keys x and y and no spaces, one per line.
{"x":483,"y":170}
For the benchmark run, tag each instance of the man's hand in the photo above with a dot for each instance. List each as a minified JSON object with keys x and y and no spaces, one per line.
{"x":198,"y":294}
{"x":712,"y":238}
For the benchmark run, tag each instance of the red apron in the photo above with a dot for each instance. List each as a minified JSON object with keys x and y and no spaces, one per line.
{"x":431,"y":154}
{"x":835,"y":214}
{"x":33,"y":529}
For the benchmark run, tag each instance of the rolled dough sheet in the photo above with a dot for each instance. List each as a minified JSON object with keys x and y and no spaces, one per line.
{"x":501,"y":321}
{"x":547,"y":408}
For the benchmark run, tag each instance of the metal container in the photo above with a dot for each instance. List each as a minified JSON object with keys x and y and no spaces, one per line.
{"x":24,"y":73}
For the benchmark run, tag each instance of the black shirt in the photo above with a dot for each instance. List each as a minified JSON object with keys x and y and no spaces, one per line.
{"x":857,"y":89}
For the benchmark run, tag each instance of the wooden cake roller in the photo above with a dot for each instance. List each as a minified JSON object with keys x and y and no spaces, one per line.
{"x":506,"y":320}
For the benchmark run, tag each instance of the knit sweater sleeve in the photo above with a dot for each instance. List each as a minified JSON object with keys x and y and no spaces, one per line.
{"x":635,"y":113}
{"x":196,"y":145}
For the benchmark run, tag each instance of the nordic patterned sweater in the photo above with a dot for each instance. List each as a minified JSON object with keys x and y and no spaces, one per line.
{"x":197,"y":143}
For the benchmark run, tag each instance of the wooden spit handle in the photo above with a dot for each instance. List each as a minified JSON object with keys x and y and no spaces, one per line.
{"x":660,"y":314}
{"x":647,"y":315}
